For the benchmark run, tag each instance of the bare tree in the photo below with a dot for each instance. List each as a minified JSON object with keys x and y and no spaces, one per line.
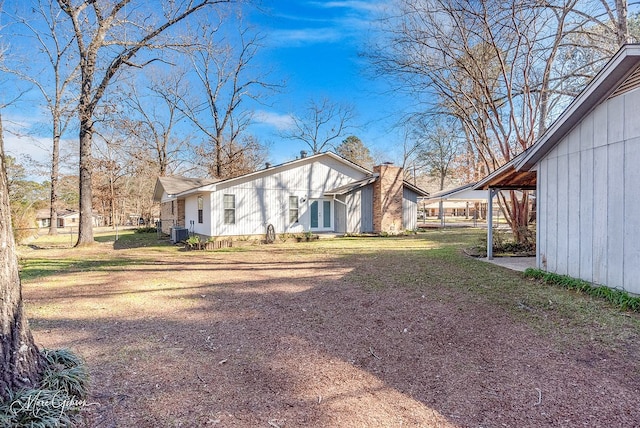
{"x":110,"y":35}
{"x":495,"y":66}
{"x":442,"y":146}
{"x":322,"y":123}
{"x":149,"y":120}
{"x":53,"y":82}
{"x":223,"y":71}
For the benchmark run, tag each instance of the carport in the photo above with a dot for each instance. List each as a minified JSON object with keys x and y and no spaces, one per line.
{"x":504,"y":178}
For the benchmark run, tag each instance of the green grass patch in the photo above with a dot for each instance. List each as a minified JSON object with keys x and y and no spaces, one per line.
{"x":440,"y":270}
{"x":33,"y":268}
{"x":619,"y":298}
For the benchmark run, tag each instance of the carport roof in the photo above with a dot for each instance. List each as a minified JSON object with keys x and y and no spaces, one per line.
{"x":507,"y":177}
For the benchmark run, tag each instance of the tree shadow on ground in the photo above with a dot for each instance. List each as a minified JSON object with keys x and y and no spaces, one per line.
{"x":378,"y":339}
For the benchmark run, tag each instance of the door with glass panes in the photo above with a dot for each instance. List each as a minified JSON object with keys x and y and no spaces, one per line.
{"x":320,"y":215}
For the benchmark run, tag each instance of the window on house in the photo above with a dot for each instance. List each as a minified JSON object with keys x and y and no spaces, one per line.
{"x":172,"y":208}
{"x":229,"y":209}
{"x":293,"y":209}
{"x":200,"y":209}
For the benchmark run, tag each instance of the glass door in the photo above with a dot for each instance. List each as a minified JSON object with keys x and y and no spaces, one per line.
{"x":320,"y":215}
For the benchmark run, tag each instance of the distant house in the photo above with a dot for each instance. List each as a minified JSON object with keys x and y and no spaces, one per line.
{"x":586,"y":171}
{"x":319,"y":193}
{"x":66,"y":218}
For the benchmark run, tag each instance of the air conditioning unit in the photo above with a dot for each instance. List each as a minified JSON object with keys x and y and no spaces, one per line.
{"x":179,"y":234}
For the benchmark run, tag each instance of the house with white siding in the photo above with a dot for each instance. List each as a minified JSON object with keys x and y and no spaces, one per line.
{"x":586,"y":171}
{"x":319,"y":193}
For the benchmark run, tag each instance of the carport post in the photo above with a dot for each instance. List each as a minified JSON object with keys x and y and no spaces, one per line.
{"x":492,"y":192}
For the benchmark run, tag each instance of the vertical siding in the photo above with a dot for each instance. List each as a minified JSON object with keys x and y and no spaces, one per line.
{"x":360,"y":210}
{"x":574,"y":213}
{"x":615,"y":214}
{"x":586,"y":214}
{"x":264,"y":198}
{"x":340,"y":214}
{"x":600,"y":220}
{"x":366,"y":209}
{"x":589,"y":198}
{"x":632,"y":215}
{"x":409,"y":209}
{"x":541,"y":216}
{"x":552,"y":215}
{"x":562,"y":232}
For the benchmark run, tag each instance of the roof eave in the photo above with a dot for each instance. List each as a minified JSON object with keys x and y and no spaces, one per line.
{"x":415,"y":189}
{"x":601,"y":86}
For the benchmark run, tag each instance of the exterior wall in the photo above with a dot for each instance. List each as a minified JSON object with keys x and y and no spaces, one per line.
{"x":387,"y":200}
{"x":409,"y":209}
{"x":191,"y":214}
{"x":263,"y":199}
{"x":340,"y":214}
{"x":180,"y":213}
{"x":360,"y":210}
{"x":168,"y":220}
{"x":589,"y":199}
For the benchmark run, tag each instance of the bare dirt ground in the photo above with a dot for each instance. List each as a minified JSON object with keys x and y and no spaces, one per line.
{"x":324,"y":335}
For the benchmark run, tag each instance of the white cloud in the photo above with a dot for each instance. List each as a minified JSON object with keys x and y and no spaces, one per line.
{"x":357,"y":5}
{"x":276,"y":120}
{"x":305,"y":36}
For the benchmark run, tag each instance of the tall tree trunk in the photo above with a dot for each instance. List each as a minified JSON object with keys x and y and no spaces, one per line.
{"x":112,"y":200}
{"x":622,"y":29}
{"x":55,"y":159}
{"x":85,"y":230}
{"x":20,"y":364}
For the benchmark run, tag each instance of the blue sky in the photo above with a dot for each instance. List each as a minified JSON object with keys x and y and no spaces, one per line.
{"x":315,"y":47}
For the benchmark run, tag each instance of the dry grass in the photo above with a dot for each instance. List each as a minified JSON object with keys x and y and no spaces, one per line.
{"x":346,"y":332}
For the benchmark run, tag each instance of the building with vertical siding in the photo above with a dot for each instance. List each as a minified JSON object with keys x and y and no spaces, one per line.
{"x":319,"y":193}
{"x":586,"y":172}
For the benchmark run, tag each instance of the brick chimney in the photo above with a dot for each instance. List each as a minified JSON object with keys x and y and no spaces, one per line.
{"x":387,"y":199}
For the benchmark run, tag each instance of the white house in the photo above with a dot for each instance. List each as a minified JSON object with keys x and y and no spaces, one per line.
{"x":66,"y":218}
{"x":587,"y":178}
{"x":319,"y":193}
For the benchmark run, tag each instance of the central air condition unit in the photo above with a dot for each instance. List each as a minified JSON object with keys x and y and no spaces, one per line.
{"x":179,"y":234}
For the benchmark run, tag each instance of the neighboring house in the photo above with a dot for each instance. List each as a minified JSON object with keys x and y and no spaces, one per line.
{"x":66,"y":218}
{"x":587,"y":175}
{"x":319,"y":193}
{"x":460,"y":201}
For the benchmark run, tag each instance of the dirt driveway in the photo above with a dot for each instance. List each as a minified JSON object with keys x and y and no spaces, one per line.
{"x":383,"y":334}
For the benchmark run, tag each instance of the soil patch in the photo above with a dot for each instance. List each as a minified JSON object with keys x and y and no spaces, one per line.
{"x":320,"y":334}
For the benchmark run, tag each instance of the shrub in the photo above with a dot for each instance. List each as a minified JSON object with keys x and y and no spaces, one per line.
{"x":59,"y":399}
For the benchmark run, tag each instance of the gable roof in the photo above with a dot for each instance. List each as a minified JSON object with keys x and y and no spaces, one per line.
{"x":275,"y":169}
{"x":618,"y":73}
{"x":175,"y":185}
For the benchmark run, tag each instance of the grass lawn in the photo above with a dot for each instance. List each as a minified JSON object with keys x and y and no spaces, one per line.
{"x":345,"y":332}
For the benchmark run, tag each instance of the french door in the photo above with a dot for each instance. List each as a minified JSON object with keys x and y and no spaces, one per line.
{"x":320,"y":215}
